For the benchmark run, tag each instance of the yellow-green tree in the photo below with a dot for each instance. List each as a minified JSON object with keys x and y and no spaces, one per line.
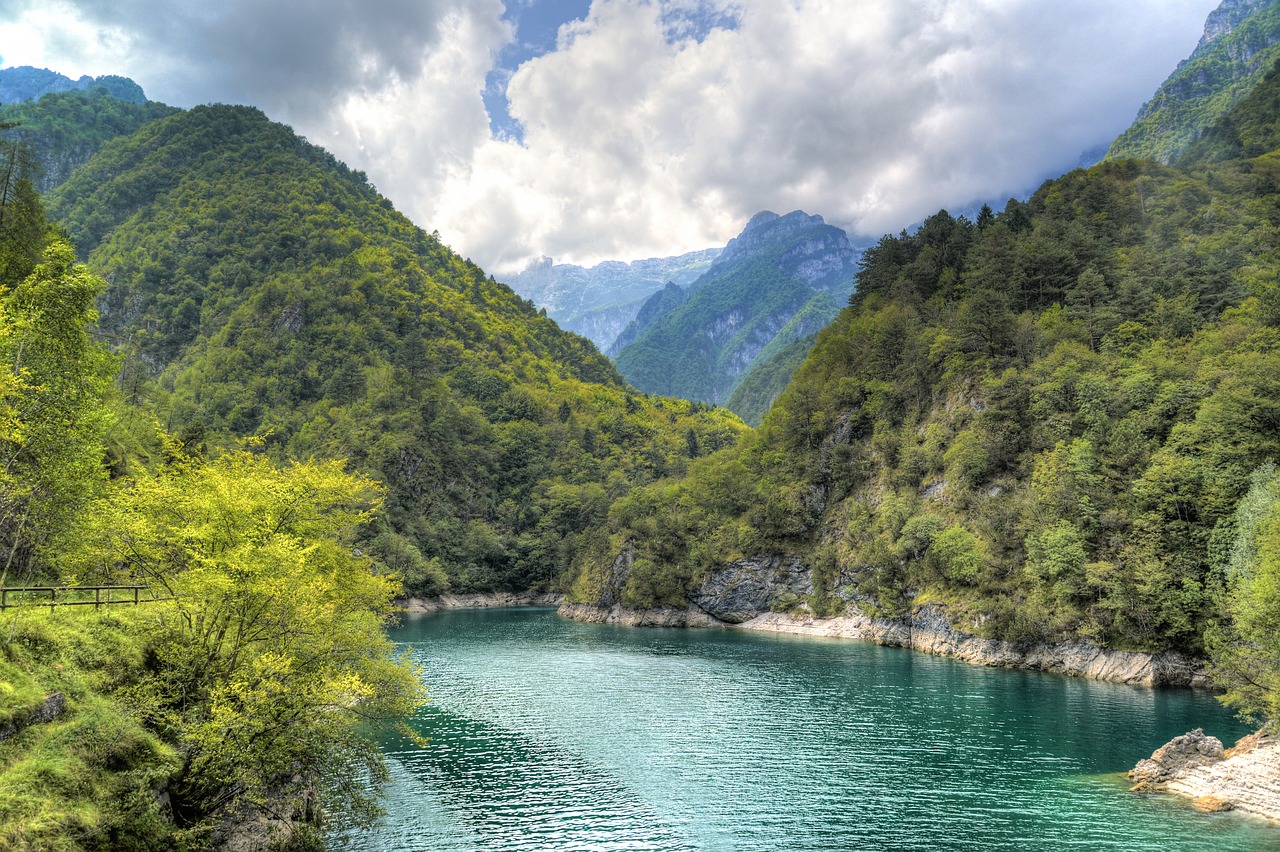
{"x":272,"y":668}
{"x":53,"y":384}
{"x":1246,"y":647}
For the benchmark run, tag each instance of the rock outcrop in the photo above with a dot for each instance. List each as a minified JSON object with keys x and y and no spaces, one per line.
{"x":928,"y":630}
{"x":1179,"y":755}
{"x":626,"y":617}
{"x":748,"y":587}
{"x":1244,"y":778}
{"x":46,"y":711}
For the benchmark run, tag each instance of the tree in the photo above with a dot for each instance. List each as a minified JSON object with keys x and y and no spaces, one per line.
{"x":52,"y":397}
{"x":272,"y":670}
{"x":1245,"y":648}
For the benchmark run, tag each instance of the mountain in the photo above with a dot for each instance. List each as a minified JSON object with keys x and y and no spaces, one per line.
{"x":261,"y":288}
{"x":63,"y":129}
{"x":1250,"y":130}
{"x":312,"y":407}
{"x":25,"y":83}
{"x":1057,"y":423}
{"x":769,"y":377}
{"x":598,"y":302}
{"x":1241,"y":42}
{"x":659,"y":304}
{"x":780,"y":280}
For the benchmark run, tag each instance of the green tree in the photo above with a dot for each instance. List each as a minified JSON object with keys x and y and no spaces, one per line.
{"x":52,"y":412}
{"x":271,"y":667}
{"x":1245,"y":647}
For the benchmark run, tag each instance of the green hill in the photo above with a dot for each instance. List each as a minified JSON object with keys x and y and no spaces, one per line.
{"x":272,"y":291}
{"x":61,"y":130}
{"x":316,"y":407}
{"x":1058,"y":425}
{"x":1251,"y":129}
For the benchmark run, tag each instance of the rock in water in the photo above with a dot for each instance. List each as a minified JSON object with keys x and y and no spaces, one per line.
{"x":1174,"y":758}
{"x":1245,"y":778}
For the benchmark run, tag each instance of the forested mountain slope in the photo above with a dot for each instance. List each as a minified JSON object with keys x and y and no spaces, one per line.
{"x":157,"y":725}
{"x":1241,"y":42}
{"x":63,"y":129}
{"x":274,"y":292}
{"x":779,"y":281}
{"x":1054,"y":422}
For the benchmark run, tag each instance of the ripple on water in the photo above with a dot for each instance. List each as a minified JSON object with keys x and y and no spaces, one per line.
{"x":546,"y":734}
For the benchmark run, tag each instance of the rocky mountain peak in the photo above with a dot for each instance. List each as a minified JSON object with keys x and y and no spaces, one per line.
{"x":28,"y":83}
{"x":1227,"y":17}
{"x":764,"y":227}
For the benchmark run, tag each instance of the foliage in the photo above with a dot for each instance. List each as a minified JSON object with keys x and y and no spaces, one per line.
{"x":1043,"y":421}
{"x":87,"y":779}
{"x":53,"y":385}
{"x":270,"y":663}
{"x":760,"y":295}
{"x":64,"y":129}
{"x":1215,"y":78}
{"x":1246,"y":645}
{"x":270,"y":290}
{"x":754,"y":396}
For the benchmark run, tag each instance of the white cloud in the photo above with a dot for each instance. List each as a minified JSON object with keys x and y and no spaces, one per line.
{"x":648,"y":131}
{"x":871,"y":113}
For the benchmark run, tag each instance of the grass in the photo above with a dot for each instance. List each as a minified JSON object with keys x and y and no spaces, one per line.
{"x":93,"y":777}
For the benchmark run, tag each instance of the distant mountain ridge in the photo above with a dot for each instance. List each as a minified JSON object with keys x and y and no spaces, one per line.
{"x":1241,"y":42}
{"x":28,"y":83}
{"x":779,"y":281}
{"x":599,"y":301}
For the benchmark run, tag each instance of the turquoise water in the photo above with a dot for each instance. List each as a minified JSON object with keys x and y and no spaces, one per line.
{"x":548,"y":734}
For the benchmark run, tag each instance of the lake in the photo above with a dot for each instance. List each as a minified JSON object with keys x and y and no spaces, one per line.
{"x":546,"y":734}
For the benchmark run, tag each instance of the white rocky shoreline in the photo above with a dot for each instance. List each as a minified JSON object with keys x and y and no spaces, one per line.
{"x":480,"y":600}
{"x":1245,"y":778}
{"x":929,"y":631}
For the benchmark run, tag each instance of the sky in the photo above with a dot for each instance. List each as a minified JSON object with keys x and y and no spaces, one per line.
{"x":587,"y":130}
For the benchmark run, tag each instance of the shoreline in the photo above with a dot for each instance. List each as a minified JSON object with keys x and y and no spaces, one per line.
{"x":1245,"y":778}
{"x":479,"y":600}
{"x":929,"y":631}
{"x":1196,"y":768}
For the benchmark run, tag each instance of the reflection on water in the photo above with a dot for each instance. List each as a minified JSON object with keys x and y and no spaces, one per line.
{"x":548,"y":734}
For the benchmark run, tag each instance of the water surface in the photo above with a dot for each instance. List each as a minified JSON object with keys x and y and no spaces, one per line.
{"x":547,"y":734}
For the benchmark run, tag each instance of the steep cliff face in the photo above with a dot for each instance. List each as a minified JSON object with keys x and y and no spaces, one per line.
{"x":1224,"y":19}
{"x":744,"y":309}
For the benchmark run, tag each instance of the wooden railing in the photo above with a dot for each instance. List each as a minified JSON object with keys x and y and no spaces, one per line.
{"x":74,"y":596}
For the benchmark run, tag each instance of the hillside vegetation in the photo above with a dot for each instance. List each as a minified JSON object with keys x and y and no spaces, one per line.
{"x":258,"y":678}
{"x":1241,"y":42}
{"x":64,"y":129}
{"x":273,"y":292}
{"x":1045,"y":421}
{"x":278,"y":408}
{"x":779,"y":281}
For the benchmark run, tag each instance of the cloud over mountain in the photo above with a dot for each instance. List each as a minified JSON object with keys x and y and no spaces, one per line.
{"x":657,"y":127}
